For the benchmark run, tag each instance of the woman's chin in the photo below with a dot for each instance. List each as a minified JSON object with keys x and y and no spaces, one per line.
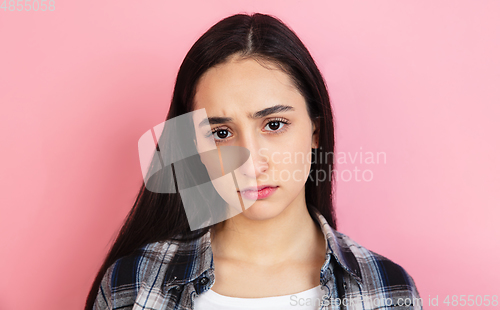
{"x":261,"y":210}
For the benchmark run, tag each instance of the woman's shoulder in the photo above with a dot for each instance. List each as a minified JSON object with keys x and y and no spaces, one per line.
{"x":150,"y":258}
{"x":364,"y":256}
{"x":142,"y":270}
{"x":143,"y":259}
{"x":374,"y":273}
{"x":377,"y":273}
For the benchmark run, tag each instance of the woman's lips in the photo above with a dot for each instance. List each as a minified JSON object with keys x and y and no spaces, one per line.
{"x":259,"y":194}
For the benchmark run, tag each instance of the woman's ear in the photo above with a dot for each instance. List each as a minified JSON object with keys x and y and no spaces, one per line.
{"x":315,"y":136}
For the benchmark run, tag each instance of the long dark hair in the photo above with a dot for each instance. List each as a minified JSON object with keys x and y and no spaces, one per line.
{"x":160,"y":216}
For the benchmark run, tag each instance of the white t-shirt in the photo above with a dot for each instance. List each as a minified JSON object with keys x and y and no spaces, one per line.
{"x":305,"y":300}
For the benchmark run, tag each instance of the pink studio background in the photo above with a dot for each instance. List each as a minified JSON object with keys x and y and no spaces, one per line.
{"x":416,"y":80}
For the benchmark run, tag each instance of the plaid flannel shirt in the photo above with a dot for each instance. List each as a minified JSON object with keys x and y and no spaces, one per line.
{"x":170,"y":275}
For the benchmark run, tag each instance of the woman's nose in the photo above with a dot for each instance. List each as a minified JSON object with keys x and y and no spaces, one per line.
{"x":257,"y":163}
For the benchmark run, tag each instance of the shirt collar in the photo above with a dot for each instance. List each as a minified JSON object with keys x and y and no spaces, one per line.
{"x":194,"y":260}
{"x":337,"y":247}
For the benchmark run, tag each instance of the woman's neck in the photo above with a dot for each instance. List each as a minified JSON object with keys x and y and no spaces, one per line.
{"x":292,"y":234}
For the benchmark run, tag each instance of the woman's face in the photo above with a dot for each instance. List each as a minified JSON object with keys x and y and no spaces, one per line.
{"x":261,"y":110}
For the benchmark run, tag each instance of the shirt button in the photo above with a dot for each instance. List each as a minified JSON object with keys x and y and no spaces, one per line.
{"x":204,"y":280}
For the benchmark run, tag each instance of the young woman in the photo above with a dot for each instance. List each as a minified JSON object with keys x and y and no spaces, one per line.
{"x":263,"y":92}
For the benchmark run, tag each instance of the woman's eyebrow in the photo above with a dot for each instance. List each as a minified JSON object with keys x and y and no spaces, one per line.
{"x":259,"y":114}
{"x":271,"y":110}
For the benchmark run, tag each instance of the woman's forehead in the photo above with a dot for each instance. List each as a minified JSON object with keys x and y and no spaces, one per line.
{"x":245,"y":83}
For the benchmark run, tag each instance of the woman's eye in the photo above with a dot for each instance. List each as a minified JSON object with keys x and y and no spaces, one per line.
{"x":220,"y":133}
{"x":275,"y":125}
